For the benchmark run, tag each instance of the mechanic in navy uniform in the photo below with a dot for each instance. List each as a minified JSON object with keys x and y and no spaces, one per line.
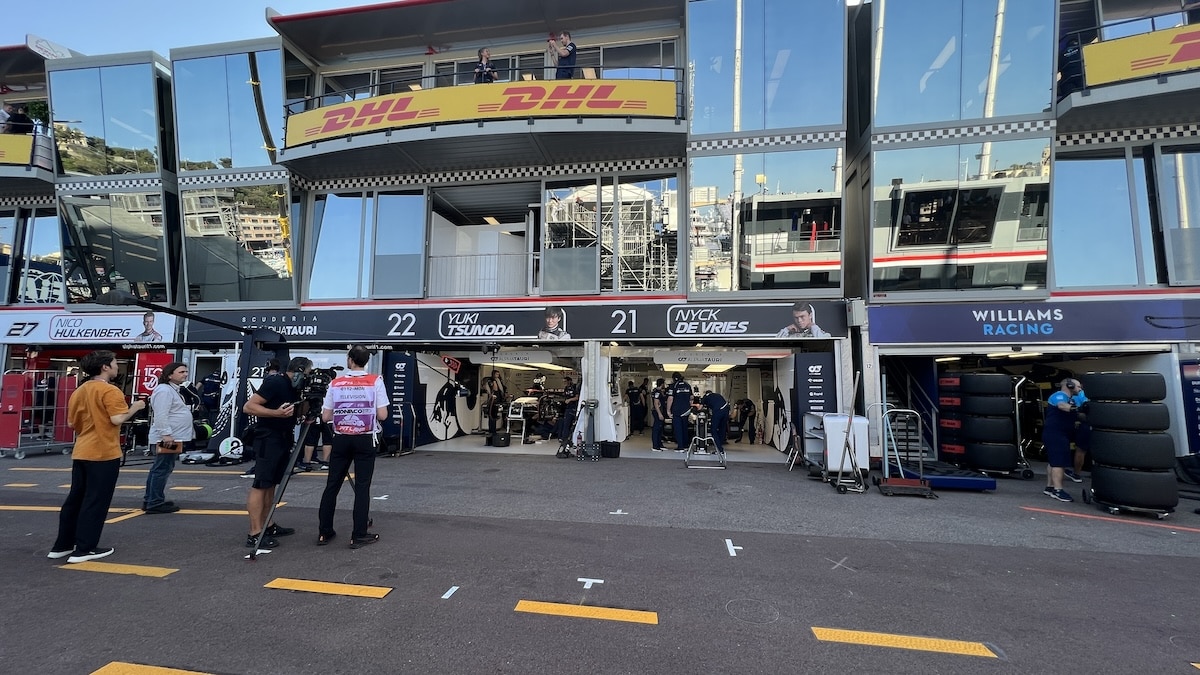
{"x":637,"y":408}
{"x":658,"y":414}
{"x":1057,"y":431}
{"x":748,"y":416}
{"x":718,"y":409}
{"x":562,"y":54}
{"x":570,"y":408}
{"x":679,"y":402}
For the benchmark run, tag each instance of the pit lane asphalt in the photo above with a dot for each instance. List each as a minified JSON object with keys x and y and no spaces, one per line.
{"x":1080,"y":592}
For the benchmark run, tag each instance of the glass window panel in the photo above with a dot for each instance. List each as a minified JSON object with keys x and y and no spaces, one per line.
{"x":8,"y":233}
{"x":802,"y":80}
{"x":79,"y":121}
{"x":1092,"y":222}
{"x":203,"y":113}
{"x":342,"y":87}
{"x":338,"y":232}
{"x":236,"y":249}
{"x":1024,"y":64}
{"x":647,"y":252}
{"x":920,"y":68}
{"x":570,"y":242}
{"x":397,"y":80}
{"x":112,"y":242}
{"x":130,"y":121}
{"x":1141,"y":196}
{"x":1179,"y":185}
{"x":444,"y":74}
{"x":961,"y":217}
{"x":710,"y":57}
{"x":41,"y":278}
{"x":399,"y":245}
{"x":531,"y":66}
{"x":249,"y":140}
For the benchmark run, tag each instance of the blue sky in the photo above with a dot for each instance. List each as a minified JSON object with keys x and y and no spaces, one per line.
{"x":92,"y":27}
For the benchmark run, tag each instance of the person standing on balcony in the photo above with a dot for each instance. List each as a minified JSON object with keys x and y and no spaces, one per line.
{"x":562,"y":53}
{"x":484,"y":72}
{"x":19,"y":122}
{"x":5,"y":111}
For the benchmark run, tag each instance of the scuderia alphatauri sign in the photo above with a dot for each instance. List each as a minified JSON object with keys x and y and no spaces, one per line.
{"x":603,"y":320}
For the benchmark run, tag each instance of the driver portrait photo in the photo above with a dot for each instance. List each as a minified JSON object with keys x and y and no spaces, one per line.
{"x":148,"y":333}
{"x":804,"y":323}
{"x":555,"y":325}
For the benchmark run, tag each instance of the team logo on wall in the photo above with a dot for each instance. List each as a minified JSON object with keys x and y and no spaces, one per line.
{"x":288,"y":324}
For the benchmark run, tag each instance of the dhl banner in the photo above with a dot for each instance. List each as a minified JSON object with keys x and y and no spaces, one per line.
{"x":588,"y":98}
{"x":1143,"y":55}
{"x":16,"y":149}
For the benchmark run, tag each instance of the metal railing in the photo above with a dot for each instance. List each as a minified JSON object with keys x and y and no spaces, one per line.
{"x":481,"y":275}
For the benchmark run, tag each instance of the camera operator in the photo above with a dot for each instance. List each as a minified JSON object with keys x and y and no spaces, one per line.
{"x":273,"y":405}
{"x":355,"y":404}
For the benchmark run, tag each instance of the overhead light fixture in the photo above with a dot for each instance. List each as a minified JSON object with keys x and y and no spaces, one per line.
{"x":999,"y":355}
{"x":718,"y":368}
{"x":674,"y":367}
{"x":947,"y":359}
{"x":549,"y":366}
{"x":1018,"y":355}
{"x":512,"y":366}
{"x":490,"y":220}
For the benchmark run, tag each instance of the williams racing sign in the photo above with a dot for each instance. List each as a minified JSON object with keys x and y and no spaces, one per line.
{"x":587,"y":98}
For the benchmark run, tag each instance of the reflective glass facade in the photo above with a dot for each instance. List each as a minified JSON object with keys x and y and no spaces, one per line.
{"x":235,"y":245}
{"x":229,"y":110}
{"x":106,"y":120}
{"x":114,"y":241}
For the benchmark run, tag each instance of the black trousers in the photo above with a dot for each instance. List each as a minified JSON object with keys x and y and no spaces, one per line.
{"x":359,"y":451}
{"x":82,"y":516}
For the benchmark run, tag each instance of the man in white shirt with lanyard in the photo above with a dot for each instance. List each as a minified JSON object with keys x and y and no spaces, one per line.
{"x":355,"y":404}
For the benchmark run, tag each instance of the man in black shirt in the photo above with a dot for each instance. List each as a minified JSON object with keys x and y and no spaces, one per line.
{"x":563,"y":53}
{"x":570,"y":408}
{"x":679,"y":402}
{"x":19,"y":122}
{"x":274,"y":404}
{"x":719,"y":414}
{"x":658,"y":414}
{"x":637,"y":408}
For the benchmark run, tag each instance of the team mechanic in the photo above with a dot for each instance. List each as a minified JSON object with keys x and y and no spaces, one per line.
{"x":354,"y":405}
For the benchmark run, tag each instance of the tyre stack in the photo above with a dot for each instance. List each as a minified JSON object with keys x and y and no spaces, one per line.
{"x":984,"y":412}
{"x":1133,"y":456}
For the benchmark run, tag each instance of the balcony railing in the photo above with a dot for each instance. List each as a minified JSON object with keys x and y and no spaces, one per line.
{"x":481,"y":275}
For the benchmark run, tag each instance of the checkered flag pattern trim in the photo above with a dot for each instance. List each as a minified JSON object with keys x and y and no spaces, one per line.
{"x":1148,"y":134}
{"x":249,"y":177}
{"x":492,"y":175}
{"x":772,"y":141}
{"x":105,"y":186}
{"x":971,"y":131}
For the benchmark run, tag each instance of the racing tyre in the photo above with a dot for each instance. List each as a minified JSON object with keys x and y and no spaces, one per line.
{"x":1128,"y":416}
{"x":992,"y":406}
{"x":1137,"y":489}
{"x":1124,"y":386}
{"x":992,"y":457}
{"x":988,"y":429}
{"x":988,"y":384}
{"x":1129,"y":450}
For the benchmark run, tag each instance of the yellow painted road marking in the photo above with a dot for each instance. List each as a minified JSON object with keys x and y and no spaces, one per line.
{"x":129,"y":487}
{"x":210,"y":512}
{"x":127,"y":516}
{"x":65,"y":485}
{"x":903,"y":642}
{"x":121,"y":668}
{"x":20,"y":485}
{"x":330,"y":588}
{"x":186,"y":488}
{"x":1196,"y":666}
{"x":59,"y":508}
{"x":115,"y":568}
{"x":586,"y":611}
{"x":198,"y":472}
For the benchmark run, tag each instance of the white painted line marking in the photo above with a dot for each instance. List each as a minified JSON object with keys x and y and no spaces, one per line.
{"x":447,"y":594}
{"x":587,"y":583}
{"x":618,"y":512}
{"x":261,"y":551}
{"x":839,"y":564}
{"x":732,"y":549}
{"x":381,"y":498}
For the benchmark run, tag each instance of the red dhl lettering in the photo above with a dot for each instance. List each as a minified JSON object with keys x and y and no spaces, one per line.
{"x":1189,"y":49}
{"x":368,"y":113}
{"x":570,"y":97}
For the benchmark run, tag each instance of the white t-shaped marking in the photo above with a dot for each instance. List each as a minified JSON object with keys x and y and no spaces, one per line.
{"x":587,"y":583}
{"x":618,"y":512}
{"x":732,"y":549}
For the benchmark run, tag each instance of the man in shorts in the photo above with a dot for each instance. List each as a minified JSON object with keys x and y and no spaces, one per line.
{"x":1057,"y":431}
{"x":274,"y":404}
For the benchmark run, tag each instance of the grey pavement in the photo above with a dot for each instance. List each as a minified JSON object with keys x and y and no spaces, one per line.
{"x":1046,"y":586}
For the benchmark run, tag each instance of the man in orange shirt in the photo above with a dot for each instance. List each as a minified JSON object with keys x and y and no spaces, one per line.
{"x":96,"y":412}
